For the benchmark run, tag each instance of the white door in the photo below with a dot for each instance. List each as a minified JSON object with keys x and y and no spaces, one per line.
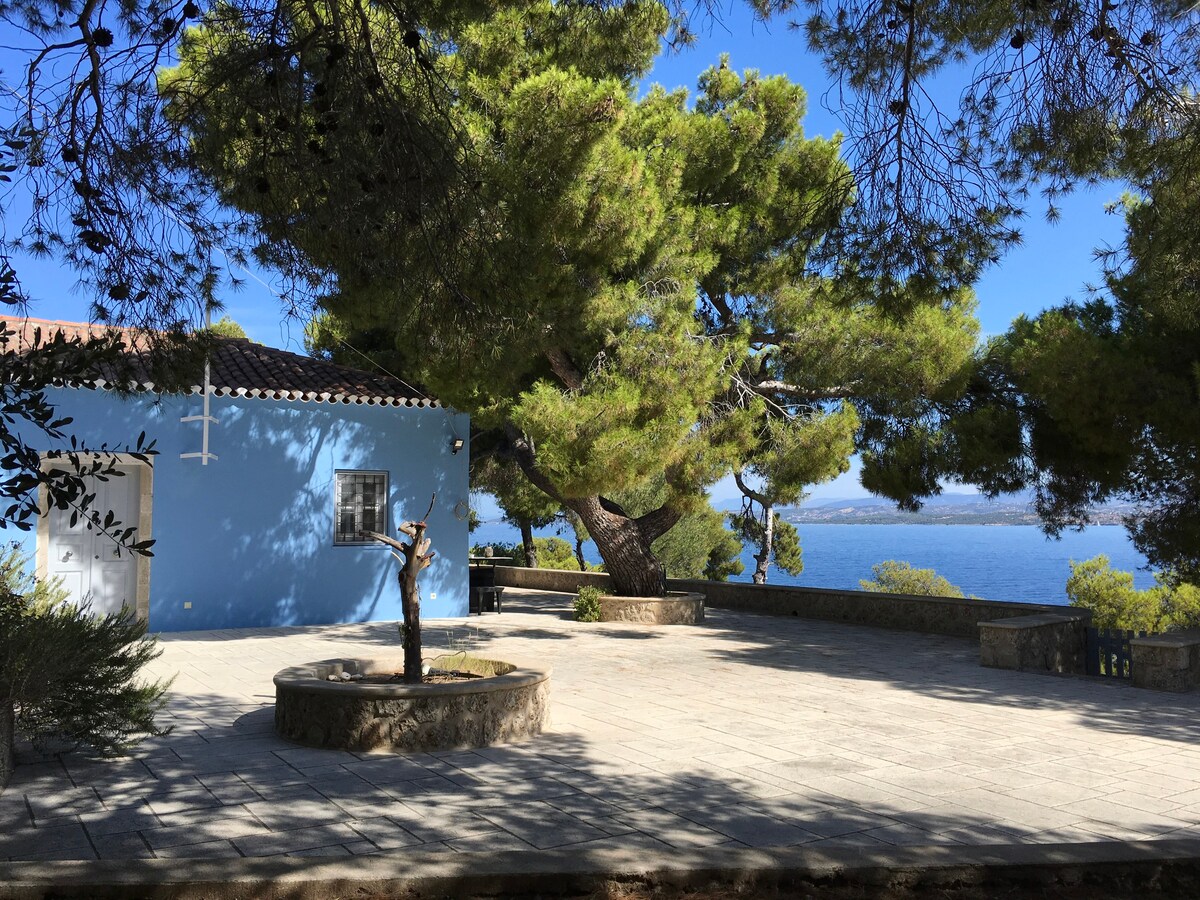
{"x":92,"y":566}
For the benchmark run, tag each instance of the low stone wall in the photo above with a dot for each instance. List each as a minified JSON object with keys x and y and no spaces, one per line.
{"x":7,"y":730}
{"x":675,"y":609}
{"x":313,"y":711}
{"x":1043,"y":643}
{"x":1166,"y":662}
{"x":933,"y":615}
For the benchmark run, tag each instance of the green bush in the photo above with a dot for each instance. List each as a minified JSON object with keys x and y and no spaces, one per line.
{"x":893,"y":577}
{"x":70,"y":676}
{"x":1115,"y":603}
{"x":587,"y":604}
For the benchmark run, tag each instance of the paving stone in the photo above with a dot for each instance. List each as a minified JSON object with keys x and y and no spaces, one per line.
{"x":295,"y":813}
{"x":62,"y":802}
{"x":541,"y":825}
{"x":902,"y":835}
{"x":19,"y":842}
{"x":336,"y":850}
{"x":384,"y":833}
{"x":201,"y":832}
{"x":279,"y":843}
{"x":117,"y":821}
{"x":204,"y":816}
{"x":488,"y":843}
{"x":669,"y":828}
{"x":127,"y":845}
{"x":67,"y":853}
{"x":752,"y":828}
{"x":203,"y":850}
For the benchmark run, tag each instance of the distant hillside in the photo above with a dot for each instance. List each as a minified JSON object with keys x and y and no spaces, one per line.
{"x":947,"y":509}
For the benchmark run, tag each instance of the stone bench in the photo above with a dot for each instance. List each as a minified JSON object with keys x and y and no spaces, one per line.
{"x":1166,"y":662}
{"x":1047,"y":642}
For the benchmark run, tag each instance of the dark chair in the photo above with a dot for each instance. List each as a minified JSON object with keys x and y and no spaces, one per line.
{"x":483,"y":590}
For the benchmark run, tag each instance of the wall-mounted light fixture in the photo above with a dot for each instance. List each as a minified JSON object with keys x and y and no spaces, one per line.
{"x":456,"y":444}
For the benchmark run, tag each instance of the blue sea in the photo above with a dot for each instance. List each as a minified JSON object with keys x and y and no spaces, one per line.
{"x":996,"y":562}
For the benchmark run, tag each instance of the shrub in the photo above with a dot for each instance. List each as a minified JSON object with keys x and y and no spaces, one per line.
{"x":71,"y":676}
{"x":1115,"y":603}
{"x":587,"y":604}
{"x":892,"y":577}
{"x":555,"y":553}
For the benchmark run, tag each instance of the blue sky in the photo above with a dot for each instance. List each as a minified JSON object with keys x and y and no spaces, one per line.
{"x":1053,"y":262}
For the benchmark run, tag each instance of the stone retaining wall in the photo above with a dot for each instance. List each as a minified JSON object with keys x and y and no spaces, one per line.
{"x":933,"y":615}
{"x":6,"y":743}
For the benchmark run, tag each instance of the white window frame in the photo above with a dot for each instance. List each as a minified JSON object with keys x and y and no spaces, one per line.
{"x":337,"y":508}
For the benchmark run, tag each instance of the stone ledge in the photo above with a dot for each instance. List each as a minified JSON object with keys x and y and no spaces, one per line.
{"x":1021,"y":623}
{"x":930,"y":615}
{"x":1164,"y":868}
{"x":313,"y":678}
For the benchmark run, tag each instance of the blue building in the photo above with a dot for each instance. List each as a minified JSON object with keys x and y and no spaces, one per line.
{"x":257,"y":496}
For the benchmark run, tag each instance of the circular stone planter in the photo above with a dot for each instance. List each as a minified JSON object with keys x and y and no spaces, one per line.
{"x":673,"y":609}
{"x":311,"y":710}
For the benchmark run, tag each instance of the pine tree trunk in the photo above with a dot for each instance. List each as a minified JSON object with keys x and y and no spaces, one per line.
{"x":579,"y":554}
{"x":762,"y":559}
{"x":531,"y":559}
{"x":625,"y":549}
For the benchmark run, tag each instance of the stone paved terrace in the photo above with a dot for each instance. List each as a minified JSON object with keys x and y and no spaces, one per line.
{"x":746,"y":730}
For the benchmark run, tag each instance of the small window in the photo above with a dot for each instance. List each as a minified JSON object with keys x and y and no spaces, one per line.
{"x":359,"y":505}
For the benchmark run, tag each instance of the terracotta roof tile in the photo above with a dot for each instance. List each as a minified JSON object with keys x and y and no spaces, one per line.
{"x":241,"y":368}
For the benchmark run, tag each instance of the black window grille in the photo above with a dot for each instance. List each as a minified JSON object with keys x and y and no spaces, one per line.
{"x":360,"y":505}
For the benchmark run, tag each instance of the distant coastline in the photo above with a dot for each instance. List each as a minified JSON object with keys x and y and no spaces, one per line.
{"x":949,"y":509}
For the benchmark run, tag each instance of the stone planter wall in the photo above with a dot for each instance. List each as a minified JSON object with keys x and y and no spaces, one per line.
{"x":7,"y":734}
{"x":678,"y":609}
{"x":932,"y":615}
{"x":313,"y":711}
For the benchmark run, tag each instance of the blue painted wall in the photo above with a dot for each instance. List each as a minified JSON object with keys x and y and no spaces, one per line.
{"x":248,"y":539}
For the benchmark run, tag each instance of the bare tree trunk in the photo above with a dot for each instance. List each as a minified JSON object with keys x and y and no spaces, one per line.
{"x":762,"y":559}
{"x":410,"y":605}
{"x":579,"y":554}
{"x":527,"y":543}
{"x":415,"y":556}
{"x":624,"y":545}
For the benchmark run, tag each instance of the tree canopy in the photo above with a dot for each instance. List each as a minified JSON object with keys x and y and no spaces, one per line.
{"x":893,"y":577}
{"x":1115,"y":603}
{"x":958,"y":111}
{"x":623,"y":286}
{"x":1098,"y":400}
{"x":413,"y":125}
